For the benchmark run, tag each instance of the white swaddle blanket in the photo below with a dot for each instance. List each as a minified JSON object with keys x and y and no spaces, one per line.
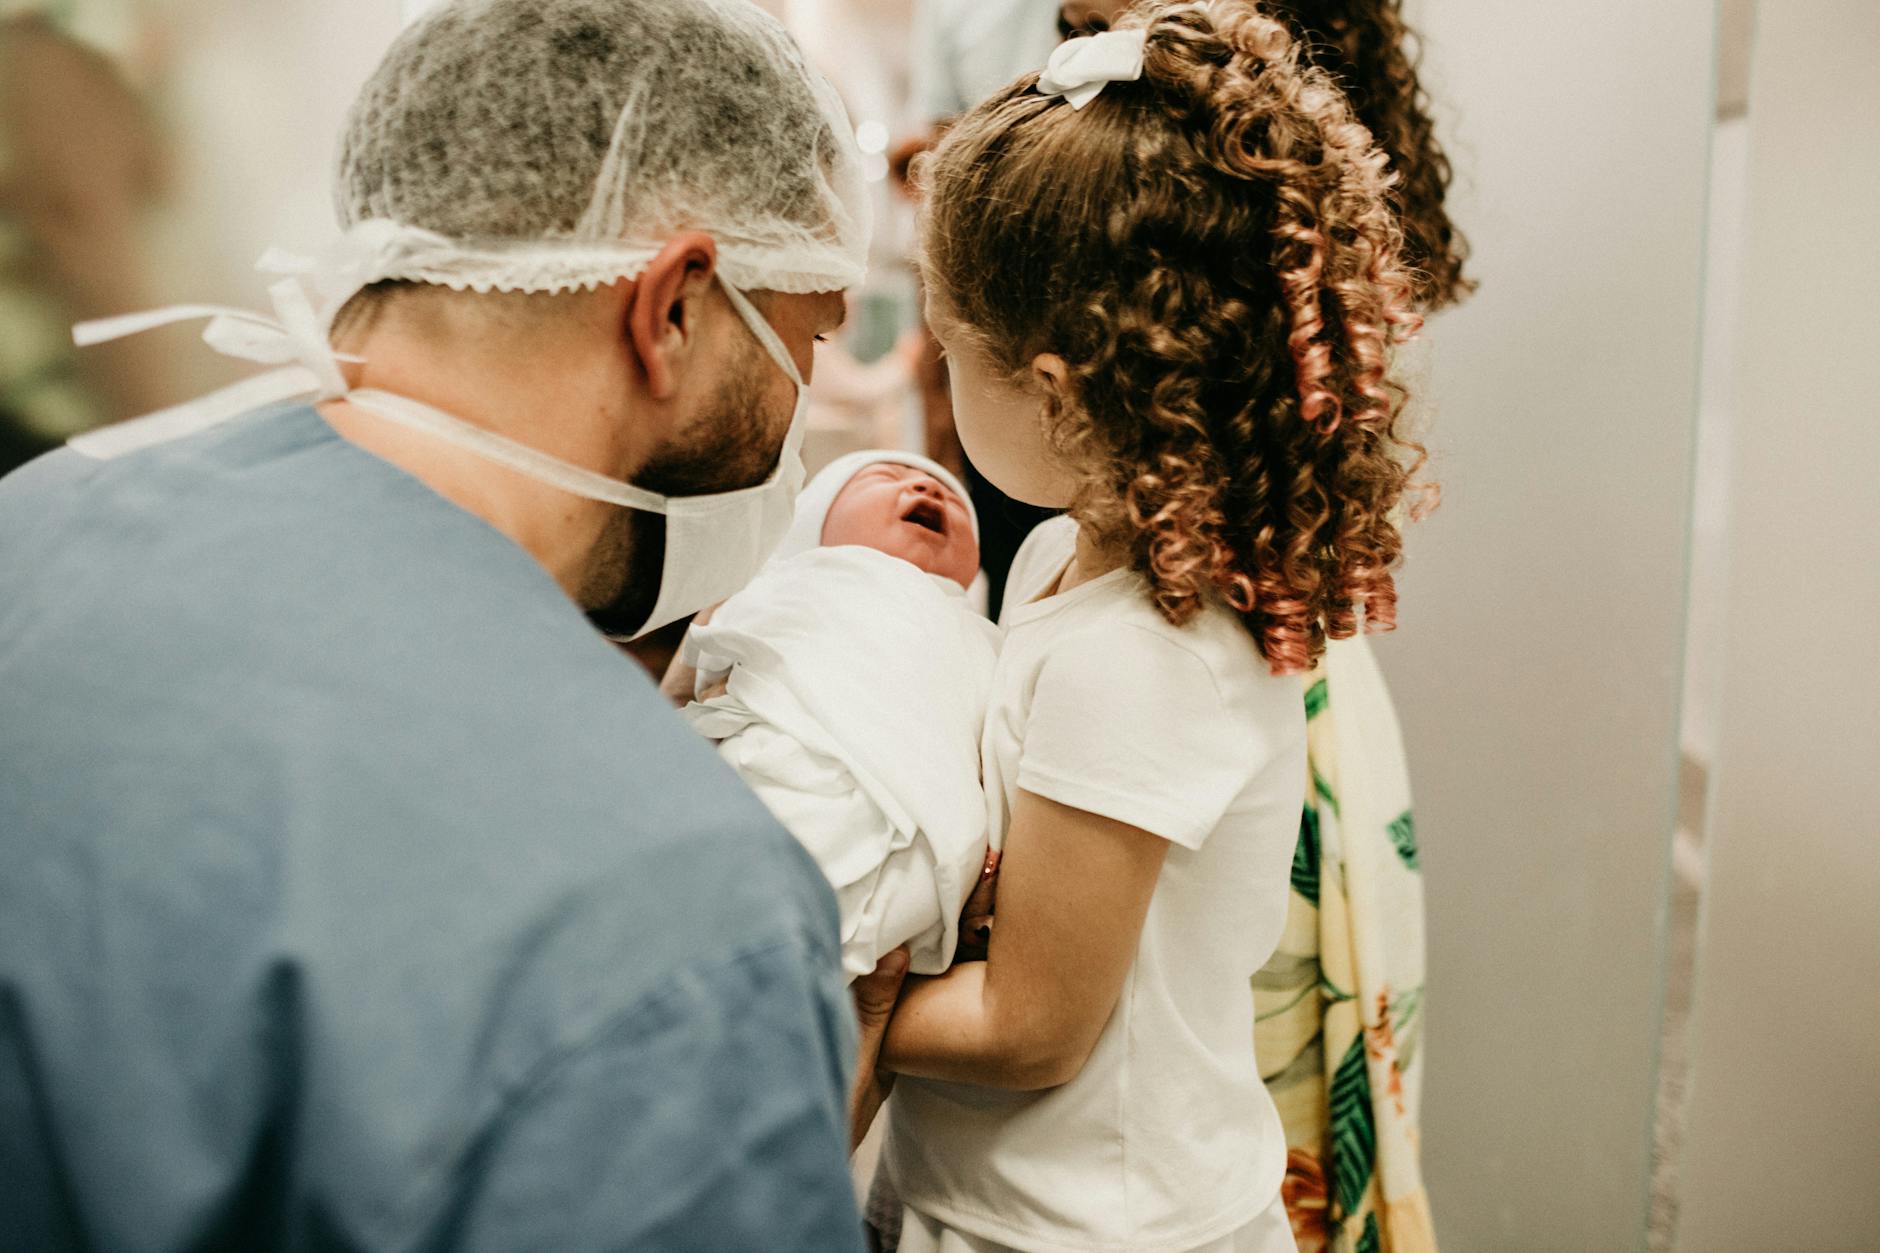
{"x":856,"y":693}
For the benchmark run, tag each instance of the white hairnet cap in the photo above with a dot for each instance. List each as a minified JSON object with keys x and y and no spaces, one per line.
{"x":812,"y":504}
{"x":546,"y":145}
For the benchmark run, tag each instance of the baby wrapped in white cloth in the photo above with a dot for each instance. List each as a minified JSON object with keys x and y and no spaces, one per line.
{"x":855,"y":672}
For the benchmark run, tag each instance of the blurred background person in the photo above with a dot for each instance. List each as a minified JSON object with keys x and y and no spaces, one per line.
{"x":864,"y":393}
{"x":81,"y":167}
{"x":964,"y":50}
{"x":150,"y":150}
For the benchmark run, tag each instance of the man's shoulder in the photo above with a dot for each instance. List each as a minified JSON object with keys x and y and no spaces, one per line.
{"x":371,"y":671}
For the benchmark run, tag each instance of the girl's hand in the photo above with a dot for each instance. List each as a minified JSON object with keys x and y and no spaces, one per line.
{"x":976,"y":918}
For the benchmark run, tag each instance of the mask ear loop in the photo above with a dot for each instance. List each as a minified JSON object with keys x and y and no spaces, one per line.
{"x":538,"y":465}
{"x":765,"y":333}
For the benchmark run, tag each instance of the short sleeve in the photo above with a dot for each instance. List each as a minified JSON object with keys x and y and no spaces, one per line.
{"x":1039,"y":561}
{"x":710,"y":1116}
{"x":1131,"y":725}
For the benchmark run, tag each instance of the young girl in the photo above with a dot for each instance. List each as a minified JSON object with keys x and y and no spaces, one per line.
{"x":1166,"y":276}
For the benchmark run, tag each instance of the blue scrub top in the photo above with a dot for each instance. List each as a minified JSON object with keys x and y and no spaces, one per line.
{"x":355,"y":894}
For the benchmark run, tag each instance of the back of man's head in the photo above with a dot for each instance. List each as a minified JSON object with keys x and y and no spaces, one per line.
{"x":538,"y":136}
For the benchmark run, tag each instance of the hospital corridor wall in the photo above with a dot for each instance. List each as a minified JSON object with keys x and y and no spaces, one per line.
{"x":1784,"y":1115}
{"x":1542,"y":622}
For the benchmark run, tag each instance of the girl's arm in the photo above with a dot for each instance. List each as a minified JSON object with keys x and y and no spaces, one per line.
{"x":1074,"y":889}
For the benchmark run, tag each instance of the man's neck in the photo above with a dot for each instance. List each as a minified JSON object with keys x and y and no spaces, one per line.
{"x":555,"y":527}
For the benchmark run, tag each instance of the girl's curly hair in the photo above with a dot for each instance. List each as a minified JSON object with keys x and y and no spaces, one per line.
{"x":1213,"y":252}
{"x":1371,"y":51}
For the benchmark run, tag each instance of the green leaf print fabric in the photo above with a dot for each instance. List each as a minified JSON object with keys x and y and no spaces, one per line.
{"x":1338,"y":1008}
{"x":1305,"y":867}
{"x":1353,"y":1132}
{"x":1403,"y":836}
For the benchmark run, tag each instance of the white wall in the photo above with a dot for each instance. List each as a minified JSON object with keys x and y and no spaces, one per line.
{"x":1537,"y":670}
{"x":1784,"y":1125}
{"x":1710,"y":510}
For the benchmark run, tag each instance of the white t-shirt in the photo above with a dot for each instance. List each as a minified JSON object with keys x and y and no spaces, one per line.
{"x":1167,"y":1139}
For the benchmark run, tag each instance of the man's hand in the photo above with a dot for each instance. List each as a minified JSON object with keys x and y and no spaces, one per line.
{"x":875,"y":996}
{"x":679,"y":679}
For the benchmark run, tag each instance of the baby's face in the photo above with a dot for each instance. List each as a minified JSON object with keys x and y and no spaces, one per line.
{"x":906,"y":513}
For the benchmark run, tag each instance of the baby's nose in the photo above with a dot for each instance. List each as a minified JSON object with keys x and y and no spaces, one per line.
{"x":926,"y":487}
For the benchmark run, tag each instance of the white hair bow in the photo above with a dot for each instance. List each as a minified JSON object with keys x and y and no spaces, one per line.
{"x":1079,"y":68}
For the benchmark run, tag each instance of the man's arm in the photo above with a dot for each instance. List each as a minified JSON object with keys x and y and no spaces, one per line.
{"x":875,"y":997}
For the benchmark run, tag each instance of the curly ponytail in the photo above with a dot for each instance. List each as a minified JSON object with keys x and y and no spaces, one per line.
{"x":1213,"y":252}
{"x":1367,"y":46}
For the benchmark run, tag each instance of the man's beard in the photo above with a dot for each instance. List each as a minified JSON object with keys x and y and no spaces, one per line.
{"x":730,"y":447}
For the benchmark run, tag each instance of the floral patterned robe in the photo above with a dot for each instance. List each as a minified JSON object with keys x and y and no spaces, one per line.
{"x":1338,"y":1008}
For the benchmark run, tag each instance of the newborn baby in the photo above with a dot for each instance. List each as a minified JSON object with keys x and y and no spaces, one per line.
{"x":854,"y":673}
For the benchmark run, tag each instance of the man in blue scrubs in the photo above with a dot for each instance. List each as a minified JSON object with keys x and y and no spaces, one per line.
{"x":357,"y":893}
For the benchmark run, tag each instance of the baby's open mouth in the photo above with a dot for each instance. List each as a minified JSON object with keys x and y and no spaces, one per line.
{"x":929,"y":513}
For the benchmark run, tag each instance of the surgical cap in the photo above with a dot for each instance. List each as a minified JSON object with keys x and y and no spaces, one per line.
{"x":547,"y":145}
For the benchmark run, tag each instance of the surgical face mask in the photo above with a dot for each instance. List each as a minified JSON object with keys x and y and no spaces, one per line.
{"x":715,"y":542}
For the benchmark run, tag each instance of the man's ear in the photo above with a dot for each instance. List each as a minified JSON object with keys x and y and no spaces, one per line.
{"x":662,"y":315}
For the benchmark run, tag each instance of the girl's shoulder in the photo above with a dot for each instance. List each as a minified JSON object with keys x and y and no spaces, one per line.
{"x":1112,"y":693}
{"x":1215,"y":637}
{"x":1040,"y":559}
{"x":1112,"y":623}
{"x":1110,"y":631}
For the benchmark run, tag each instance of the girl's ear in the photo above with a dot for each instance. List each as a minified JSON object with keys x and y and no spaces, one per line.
{"x":1049,"y":373}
